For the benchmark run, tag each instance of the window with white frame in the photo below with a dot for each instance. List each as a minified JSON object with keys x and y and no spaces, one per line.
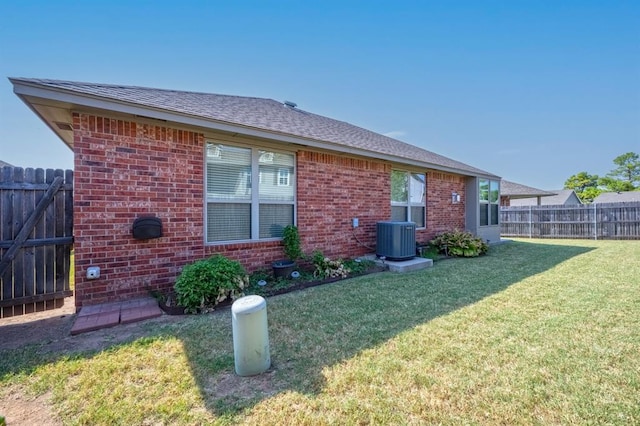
{"x":489,"y":202}
{"x":408,"y":196}
{"x":241,"y":208}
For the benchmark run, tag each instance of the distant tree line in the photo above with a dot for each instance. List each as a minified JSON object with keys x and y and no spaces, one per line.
{"x":624,"y":177}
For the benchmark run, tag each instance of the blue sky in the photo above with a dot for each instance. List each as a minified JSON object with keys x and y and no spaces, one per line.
{"x":533,"y":91}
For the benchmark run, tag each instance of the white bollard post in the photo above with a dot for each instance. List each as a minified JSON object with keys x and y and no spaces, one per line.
{"x":250,"y":335}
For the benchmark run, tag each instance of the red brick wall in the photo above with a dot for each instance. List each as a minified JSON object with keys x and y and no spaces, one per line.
{"x":124,"y":170}
{"x":332,"y":190}
{"x":442,"y":214}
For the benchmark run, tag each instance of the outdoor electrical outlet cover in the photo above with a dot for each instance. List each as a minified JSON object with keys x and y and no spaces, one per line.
{"x":355,"y":222}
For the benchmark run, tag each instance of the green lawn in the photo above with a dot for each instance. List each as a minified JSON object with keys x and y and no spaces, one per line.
{"x":536,"y":332}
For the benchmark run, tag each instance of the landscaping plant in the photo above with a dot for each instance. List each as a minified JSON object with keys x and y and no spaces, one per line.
{"x":327,"y":268}
{"x":291,"y":242}
{"x":205,"y":283}
{"x":460,"y":244}
{"x":358,"y":266}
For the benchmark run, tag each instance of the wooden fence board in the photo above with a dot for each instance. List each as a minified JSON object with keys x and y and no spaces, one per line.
{"x":36,"y":237}
{"x":6,"y":229}
{"x":40,"y":251}
{"x":18,"y":220}
{"x":592,"y":221}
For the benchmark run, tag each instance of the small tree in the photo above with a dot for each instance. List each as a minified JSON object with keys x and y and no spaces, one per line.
{"x":615,"y":185}
{"x":585,"y":185}
{"x":628,"y":171}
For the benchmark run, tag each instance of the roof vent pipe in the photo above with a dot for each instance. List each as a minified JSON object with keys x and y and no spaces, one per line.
{"x":290,"y":104}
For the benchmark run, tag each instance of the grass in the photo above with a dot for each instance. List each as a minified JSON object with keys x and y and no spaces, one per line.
{"x":536,"y":332}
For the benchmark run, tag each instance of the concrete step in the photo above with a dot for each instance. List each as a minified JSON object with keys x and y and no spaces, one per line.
{"x":400,"y":266}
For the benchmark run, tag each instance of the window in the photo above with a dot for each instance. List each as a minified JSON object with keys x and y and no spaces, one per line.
{"x":408,"y":192}
{"x":241,"y":208}
{"x":489,"y":202}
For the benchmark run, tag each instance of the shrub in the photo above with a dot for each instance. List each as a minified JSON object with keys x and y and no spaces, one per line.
{"x":358,"y":266}
{"x":429,"y":252}
{"x":291,"y":242}
{"x":205,"y":283}
{"x":460,"y":243}
{"x":327,"y":268}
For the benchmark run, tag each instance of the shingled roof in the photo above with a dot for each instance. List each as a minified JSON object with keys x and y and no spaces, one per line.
{"x":266,"y":115}
{"x":618,"y":197}
{"x":517,"y":190}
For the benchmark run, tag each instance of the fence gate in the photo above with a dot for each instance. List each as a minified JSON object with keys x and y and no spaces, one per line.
{"x":36,"y":238}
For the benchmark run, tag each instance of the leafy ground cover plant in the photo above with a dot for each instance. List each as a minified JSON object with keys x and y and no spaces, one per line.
{"x":460,"y":243}
{"x":327,"y":268}
{"x":205,"y":283}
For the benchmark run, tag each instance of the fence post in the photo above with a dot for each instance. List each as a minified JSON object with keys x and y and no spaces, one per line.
{"x":530,"y":221}
{"x":595,"y":221}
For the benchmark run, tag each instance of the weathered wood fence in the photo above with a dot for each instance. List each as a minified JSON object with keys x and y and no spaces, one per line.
{"x":36,"y":238}
{"x":592,"y":221}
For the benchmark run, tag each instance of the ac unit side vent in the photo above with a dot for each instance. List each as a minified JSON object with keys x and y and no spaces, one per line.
{"x":396,"y":240}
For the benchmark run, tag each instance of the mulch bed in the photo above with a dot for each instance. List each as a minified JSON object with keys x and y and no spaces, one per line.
{"x":173,"y":309}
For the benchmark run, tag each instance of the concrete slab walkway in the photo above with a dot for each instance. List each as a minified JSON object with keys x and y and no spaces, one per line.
{"x":105,"y":315}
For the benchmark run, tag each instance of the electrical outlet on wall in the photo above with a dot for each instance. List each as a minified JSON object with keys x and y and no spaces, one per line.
{"x":355,"y":222}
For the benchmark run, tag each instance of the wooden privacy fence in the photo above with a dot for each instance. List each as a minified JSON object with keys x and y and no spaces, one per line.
{"x":592,"y":221}
{"x":36,"y":238}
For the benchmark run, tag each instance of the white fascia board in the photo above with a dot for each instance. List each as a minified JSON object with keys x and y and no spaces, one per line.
{"x":22,"y":88}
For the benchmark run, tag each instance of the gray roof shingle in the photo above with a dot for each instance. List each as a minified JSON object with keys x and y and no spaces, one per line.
{"x":563,"y":197}
{"x":517,"y":190}
{"x":257,"y":113}
{"x":618,"y":197}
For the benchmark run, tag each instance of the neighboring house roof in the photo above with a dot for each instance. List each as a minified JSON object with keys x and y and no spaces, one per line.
{"x":618,"y":197}
{"x":53,"y":100}
{"x":5,"y":164}
{"x":516,"y":190}
{"x":563,"y":197}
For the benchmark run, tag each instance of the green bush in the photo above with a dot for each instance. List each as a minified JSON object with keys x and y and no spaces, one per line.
{"x":205,"y":283}
{"x":460,"y":243}
{"x":291,"y":242}
{"x":358,"y":266}
{"x":430,"y":252}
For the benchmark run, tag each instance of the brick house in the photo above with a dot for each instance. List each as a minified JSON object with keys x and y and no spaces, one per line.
{"x":225,"y":174}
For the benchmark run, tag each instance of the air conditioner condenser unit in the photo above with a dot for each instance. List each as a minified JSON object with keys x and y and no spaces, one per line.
{"x":396,"y":240}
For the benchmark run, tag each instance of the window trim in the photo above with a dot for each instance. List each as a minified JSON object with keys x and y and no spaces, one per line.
{"x":408,"y":204}
{"x":488,"y":202}
{"x":254,"y":200}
